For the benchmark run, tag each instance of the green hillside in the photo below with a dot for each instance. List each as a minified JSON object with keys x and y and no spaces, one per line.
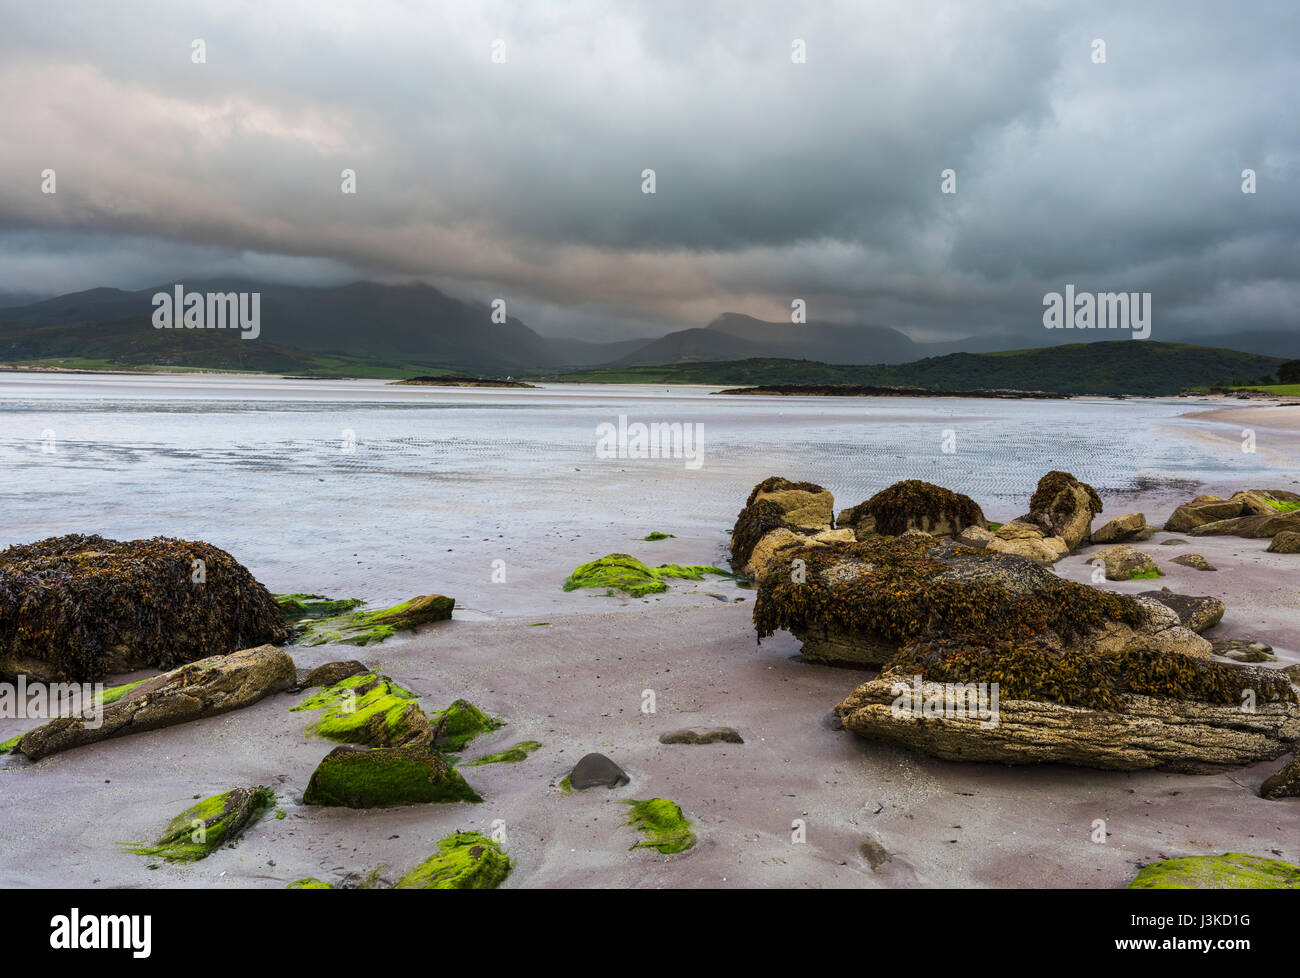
{"x":1133,"y":367}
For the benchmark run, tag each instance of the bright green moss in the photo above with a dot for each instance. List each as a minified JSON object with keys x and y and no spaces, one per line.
{"x":309,"y":883}
{"x":11,"y":743}
{"x":656,"y":535}
{"x":368,"y":627}
{"x":625,"y":573}
{"x":1231,"y":871}
{"x":662,"y":826}
{"x":202,"y":828}
{"x":299,"y":606}
{"x":565,"y":787}
{"x":460,"y":723}
{"x":511,"y":755}
{"x":380,"y":777}
{"x":1145,"y":575}
{"x":464,"y":861}
{"x":367,"y":709}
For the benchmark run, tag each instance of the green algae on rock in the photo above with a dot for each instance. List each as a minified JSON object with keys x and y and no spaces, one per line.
{"x":76,"y":608}
{"x":625,"y":573}
{"x":511,"y":755}
{"x":368,"y":709}
{"x":299,"y":606}
{"x":460,"y":723}
{"x":380,"y":777}
{"x":367,"y":627}
{"x":662,"y":826}
{"x":1230,"y":871}
{"x":309,"y":883}
{"x":657,"y":535}
{"x":202,"y":828}
{"x":464,"y":861}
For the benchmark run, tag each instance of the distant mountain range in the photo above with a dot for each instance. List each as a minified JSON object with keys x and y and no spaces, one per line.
{"x":369,"y":329}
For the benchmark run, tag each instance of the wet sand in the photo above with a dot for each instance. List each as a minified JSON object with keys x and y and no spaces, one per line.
{"x":576,"y":685}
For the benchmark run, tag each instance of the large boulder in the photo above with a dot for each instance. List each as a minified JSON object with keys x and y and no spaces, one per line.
{"x":77,"y":608}
{"x":1121,"y":528}
{"x":1025,"y":703}
{"x":1245,"y":513}
{"x":1286,"y":542}
{"x":859,"y":604}
{"x":776,"y":503}
{"x":209,"y":687}
{"x":1252,"y":527}
{"x":912,"y":505}
{"x":1284,"y":784}
{"x":1195,"y":612}
{"x":1059,"y":519}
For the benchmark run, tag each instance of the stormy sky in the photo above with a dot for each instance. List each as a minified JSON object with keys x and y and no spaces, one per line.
{"x":775,"y":179}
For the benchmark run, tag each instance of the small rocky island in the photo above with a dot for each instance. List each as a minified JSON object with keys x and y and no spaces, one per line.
{"x":456,"y":380}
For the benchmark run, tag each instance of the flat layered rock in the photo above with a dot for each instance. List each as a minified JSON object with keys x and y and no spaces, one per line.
{"x":208,"y":687}
{"x":1196,"y":613}
{"x":1142,"y":731}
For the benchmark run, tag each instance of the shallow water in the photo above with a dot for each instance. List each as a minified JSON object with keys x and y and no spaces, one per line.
{"x":433,"y":485}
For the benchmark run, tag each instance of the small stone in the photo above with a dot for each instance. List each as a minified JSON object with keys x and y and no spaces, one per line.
{"x":724,"y":735}
{"x":1174,"y":542}
{"x":874,"y":853}
{"x":1284,"y":784}
{"x":1286,"y":542}
{"x":1195,"y":561}
{"x":597,"y":771}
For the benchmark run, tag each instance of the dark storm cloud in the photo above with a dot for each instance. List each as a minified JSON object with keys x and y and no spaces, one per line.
{"x":775,"y":180}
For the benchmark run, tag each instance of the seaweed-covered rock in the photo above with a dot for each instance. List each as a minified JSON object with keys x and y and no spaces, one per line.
{"x":511,"y":755}
{"x":1286,"y":542}
{"x":861,"y":603}
{"x":771,"y":552}
{"x":1231,"y":871}
{"x":662,"y":825}
{"x":718,"y":735}
{"x":777,"y":503}
{"x":464,"y":861}
{"x":213,"y":822}
{"x":368,"y":709}
{"x":378,"y":777}
{"x":624,"y":572}
{"x":596,"y":771}
{"x":76,"y":608}
{"x":1059,"y":519}
{"x":309,"y":883}
{"x":1120,"y":529}
{"x":1284,"y":783}
{"x":1124,"y":711}
{"x":199,"y":689}
{"x":1124,"y":563}
{"x":367,"y":627}
{"x":1196,"y":613}
{"x":912,"y":505}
